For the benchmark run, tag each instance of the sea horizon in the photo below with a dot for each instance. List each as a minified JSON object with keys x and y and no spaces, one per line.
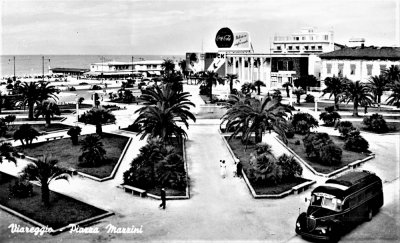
{"x":33,"y":64}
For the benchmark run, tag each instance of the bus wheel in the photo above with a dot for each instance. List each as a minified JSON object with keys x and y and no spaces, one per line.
{"x":370,"y":213}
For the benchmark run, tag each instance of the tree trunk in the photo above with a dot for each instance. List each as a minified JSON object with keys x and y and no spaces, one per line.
{"x":355,"y":110}
{"x":30,"y":107}
{"x":259,"y":89}
{"x":258,"y":136}
{"x":211,"y":98}
{"x":298,"y":99}
{"x":45,"y":193}
{"x":287,"y":91}
{"x":379,"y":103}
{"x":48,"y":120}
{"x":74,"y":140}
{"x":231,"y":86}
{"x":336,"y":103}
{"x":99,"y":129}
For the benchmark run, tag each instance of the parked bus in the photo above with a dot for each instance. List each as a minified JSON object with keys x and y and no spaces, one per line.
{"x":339,"y":204}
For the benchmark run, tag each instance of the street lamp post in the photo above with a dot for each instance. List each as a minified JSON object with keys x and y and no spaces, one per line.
{"x":15,"y":78}
{"x":43,"y":68}
{"x":77,"y":109}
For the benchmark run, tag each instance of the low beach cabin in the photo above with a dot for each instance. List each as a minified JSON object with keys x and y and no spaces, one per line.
{"x":148,"y":68}
{"x":74,"y":72}
{"x":339,"y":204}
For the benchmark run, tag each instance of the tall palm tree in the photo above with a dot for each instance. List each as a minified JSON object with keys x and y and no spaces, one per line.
{"x":258,"y":84}
{"x":231,"y":78}
{"x":35,"y":92}
{"x":164,"y":108}
{"x":47,"y":109}
{"x":211,"y":78}
{"x":255,"y":116}
{"x":392,"y":74}
{"x":358,"y":93}
{"x":394,"y":98}
{"x":93,"y":152}
{"x":97,"y":117}
{"x":169,"y":66}
{"x":335,"y":86}
{"x":378,"y":84}
{"x":26,"y":133}
{"x":44,"y":171}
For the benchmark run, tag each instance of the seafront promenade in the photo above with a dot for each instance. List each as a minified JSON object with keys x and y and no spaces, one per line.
{"x":219,"y":209}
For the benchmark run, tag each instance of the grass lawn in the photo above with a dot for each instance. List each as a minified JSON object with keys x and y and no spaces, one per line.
{"x":39,"y":127}
{"x":243,"y":155}
{"x":62,"y":211}
{"x":344,"y":107}
{"x":68,"y":154}
{"x":347,"y":156}
{"x":393,"y":126}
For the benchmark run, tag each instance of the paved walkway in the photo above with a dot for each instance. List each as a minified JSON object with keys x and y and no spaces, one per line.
{"x":219,"y":209}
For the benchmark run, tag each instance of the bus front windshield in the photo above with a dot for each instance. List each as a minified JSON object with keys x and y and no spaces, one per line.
{"x":326,"y":201}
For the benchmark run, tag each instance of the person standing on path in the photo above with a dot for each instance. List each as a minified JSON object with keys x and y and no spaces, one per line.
{"x":239,"y":169}
{"x":223,"y":169}
{"x":163,"y":199}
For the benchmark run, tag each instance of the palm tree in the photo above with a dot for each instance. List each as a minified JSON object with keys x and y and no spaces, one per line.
{"x":258,"y":84}
{"x":378,"y":84}
{"x":394,"y":97}
{"x":211,"y":78}
{"x":6,"y":151}
{"x":169,"y":66}
{"x":255,"y":116}
{"x":335,"y":86}
{"x":26,"y":133}
{"x":33,"y":93}
{"x":93,"y":152}
{"x":164,"y":107}
{"x":358,"y":93}
{"x":183,"y":64}
{"x":44,"y":170}
{"x":47,"y":109}
{"x":392,"y":74}
{"x":231,"y":77}
{"x":298,"y":92}
{"x":97,"y":117}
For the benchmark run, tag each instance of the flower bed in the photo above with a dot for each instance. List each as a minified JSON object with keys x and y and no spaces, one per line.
{"x":62,"y":211}
{"x":68,"y":154}
{"x":243,"y":155}
{"x":347,"y":156}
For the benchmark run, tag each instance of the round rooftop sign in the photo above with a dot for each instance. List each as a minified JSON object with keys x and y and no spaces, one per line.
{"x":224,"y":38}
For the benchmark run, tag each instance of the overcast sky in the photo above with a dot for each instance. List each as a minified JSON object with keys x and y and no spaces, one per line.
{"x":174,"y":27}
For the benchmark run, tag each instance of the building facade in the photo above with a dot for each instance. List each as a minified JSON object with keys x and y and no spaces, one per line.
{"x":359,"y":63}
{"x":147,"y":68}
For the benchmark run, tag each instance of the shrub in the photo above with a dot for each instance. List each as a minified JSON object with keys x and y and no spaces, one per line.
{"x":264,"y":169}
{"x":74,"y":132}
{"x":329,"y":118}
{"x":262,"y":148}
{"x":355,"y":142}
{"x":330,"y":154}
{"x":21,"y":189}
{"x":297,"y":142}
{"x":133,"y":127}
{"x":9,"y":86}
{"x":72,"y":88}
{"x":95,"y":87}
{"x":376,"y":123}
{"x":303,"y":122}
{"x":290,"y":167}
{"x":310,"y":98}
{"x":277,"y":95}
{"x":171,"y":172}
{"x":313,"y":143}
{"x":289,"y":132}
{"x":83,"y":83}
{"x":345,"y":127}
{"x":204,"y":90}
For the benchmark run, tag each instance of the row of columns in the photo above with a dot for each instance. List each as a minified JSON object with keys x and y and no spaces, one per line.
{"x":251,"y":73}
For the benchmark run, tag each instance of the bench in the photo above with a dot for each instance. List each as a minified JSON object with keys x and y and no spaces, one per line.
{"x":141,"y":192}
{"x":54,"y":138}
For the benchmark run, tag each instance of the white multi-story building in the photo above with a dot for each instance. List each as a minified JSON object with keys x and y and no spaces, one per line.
{"x":307,"y":41}
{"x":147,"y":68}
{"x":359,"y":63}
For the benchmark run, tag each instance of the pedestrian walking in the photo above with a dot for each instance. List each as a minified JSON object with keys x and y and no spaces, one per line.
{"x":223,"y":169}
{"x":163,"y":199}
{"x":239,"y":167}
